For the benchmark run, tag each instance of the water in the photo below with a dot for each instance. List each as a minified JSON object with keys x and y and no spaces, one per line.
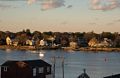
{"x":97,"y":65}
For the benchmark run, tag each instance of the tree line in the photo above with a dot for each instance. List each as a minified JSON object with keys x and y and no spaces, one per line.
{"x":62,"y":38}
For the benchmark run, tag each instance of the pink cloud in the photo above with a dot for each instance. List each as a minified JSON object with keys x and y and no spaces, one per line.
{"x":51,"y":4}
{"x":108,"y":4}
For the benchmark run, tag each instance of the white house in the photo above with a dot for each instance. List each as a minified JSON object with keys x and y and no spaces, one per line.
{"x":29,"y":42}
{"x":73,"y":45}
{"x":42,"y":43}
{"x":8,"y":41}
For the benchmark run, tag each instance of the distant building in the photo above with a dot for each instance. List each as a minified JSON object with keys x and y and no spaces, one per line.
{"x":113,"y":76}
{"x":93,"y":42}
{"x":42,"y":43}
{"x":8,"y":41}
{"x":105,"y":43}
{"x":29,"y":42}
{"x":73,"y":45}
{"x":15,"y":42}
{"x":26,"y":69}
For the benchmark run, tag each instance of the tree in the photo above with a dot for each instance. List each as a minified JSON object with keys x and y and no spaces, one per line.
{"x":108,"y":35}
{"x":64,"y":39}
{"x":88,"y":36}
{"x":37,"y":35}
{"x":117,"y":41}
{"x":28,"y":32}
{"x":22,"y":39}
{"x":2,"y":38}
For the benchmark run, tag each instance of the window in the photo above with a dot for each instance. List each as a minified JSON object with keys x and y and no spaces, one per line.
{"x":48,"y":69}
{"x":41,"y":70}
{"x":34,"y":71}
{"x":5,"y":69}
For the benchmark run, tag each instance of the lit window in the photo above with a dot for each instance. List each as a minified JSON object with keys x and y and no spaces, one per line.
{"x":48,"y":69}
{"x":34,"y":71}
{"x":41,"y":69}
{"x":5,"y":69}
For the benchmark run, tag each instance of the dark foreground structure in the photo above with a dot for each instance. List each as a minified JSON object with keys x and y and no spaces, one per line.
{"x":84,"y":74}
{"x":26,"y":69}
{"x":113,"y":76}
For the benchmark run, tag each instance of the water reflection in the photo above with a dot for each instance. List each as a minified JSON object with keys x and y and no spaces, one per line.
{"x":97,"y":65}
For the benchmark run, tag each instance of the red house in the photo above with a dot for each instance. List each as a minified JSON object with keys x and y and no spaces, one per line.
{"x":26,"y":69}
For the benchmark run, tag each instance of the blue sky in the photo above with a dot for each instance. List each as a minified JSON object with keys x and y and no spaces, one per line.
{"x":60,"y":15}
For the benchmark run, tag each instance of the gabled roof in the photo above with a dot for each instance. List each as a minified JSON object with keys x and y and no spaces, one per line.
{"x":31,"y":63}
{"x":84,"y":75}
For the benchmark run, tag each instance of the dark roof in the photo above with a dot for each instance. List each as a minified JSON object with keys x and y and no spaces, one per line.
{"x":31,"y":63}
{"x":113,"y":76}
{"x":84,"y":75}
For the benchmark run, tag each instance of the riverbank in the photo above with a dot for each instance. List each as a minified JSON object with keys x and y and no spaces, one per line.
{"x":4,"y":47}
{"x":100,"y":49}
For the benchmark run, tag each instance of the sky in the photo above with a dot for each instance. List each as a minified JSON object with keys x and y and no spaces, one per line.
{"x":60,"y":15}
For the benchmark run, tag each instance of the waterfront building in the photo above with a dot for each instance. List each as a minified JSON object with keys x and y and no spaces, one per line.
{"x":73,"y":45}
{"x":26,"y":69}
{"x":42,"y":43}
{"x":30,"y":42}
{"x":8,"y":41}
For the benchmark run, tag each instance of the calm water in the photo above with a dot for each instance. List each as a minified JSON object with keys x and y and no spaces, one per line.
{"x":97,"y":65}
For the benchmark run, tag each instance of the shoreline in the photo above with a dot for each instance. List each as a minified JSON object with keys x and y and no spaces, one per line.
{"x":4,"y":47}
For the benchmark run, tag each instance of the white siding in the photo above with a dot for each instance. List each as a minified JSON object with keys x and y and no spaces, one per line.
{"x":34,"y":71}
{"x":49,"y":76}
{"x":41,"y":70}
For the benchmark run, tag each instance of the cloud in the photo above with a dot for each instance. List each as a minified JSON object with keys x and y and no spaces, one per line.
{"x":112,"y":23}
{"x":45,"y":4}
{"x":117,"y":20}
{"x":69,"y":6}
{"x":29,"y":2}
{"x":105,"y":4}
{"x":48,"y":4}
{"x":64,"y":22}
{"x":92,"y":23}
{"x":51,"y":4}
{"x":5,"y":6}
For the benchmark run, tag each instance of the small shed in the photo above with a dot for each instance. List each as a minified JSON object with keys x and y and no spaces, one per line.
{"x":26,"y":69}
{"x":113,"y":76}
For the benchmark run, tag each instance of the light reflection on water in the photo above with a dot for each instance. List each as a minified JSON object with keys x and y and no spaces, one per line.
{"x":97,"y":65}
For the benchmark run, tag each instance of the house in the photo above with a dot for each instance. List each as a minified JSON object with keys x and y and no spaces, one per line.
{"x":73,"y":45}
{"x":84,"y":75}
{"x":30,"y":42}
{"x":8,"y":41}
{"x":93,"y":42}
{"x":42,"y":43}
{"x":113,"y":76}
{"x":26,"y":69}
{"x":15,"y":42}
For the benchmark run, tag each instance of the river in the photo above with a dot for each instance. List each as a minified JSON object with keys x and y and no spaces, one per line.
{"x":97,"y":64}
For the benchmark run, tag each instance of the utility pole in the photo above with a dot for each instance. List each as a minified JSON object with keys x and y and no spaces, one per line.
{"x":62,"y":65}
{"x":54,"y":61}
